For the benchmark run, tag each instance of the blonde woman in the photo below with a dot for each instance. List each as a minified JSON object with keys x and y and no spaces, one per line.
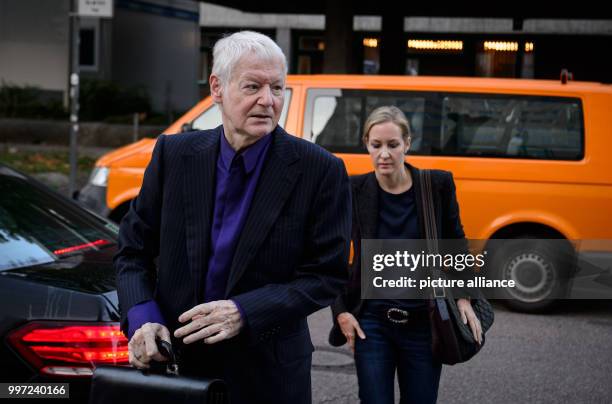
{"x":393,"y":335}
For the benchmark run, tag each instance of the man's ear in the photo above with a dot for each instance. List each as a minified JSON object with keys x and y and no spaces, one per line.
{"x":216,"y":90}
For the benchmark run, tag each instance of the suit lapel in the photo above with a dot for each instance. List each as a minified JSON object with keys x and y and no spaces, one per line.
{"x":198,"y":192}
{"x":277,"y":179}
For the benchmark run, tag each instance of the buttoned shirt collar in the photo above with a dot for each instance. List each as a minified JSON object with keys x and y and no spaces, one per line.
{"x":250,"y":155}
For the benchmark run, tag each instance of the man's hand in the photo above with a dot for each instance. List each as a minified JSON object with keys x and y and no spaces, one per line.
{"x":211,"y":322}
{"x":142,"y":348}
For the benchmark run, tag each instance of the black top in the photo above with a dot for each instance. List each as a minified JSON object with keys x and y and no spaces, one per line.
{"x":397,"y":215}
{"x":397,"y":219}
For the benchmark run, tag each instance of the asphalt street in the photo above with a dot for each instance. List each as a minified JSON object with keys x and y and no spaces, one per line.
{"x":565,"y":356}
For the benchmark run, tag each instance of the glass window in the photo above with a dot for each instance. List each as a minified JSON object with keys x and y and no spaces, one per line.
{"x":337,"y":123}
{"x":89,"y":44}
{"x":87,"y":47}
{"x":211,"y":118}
{"x":335,"y":118}
{"x":497,"y":126}
{"x":38,"y":227}
{"x":309,"y":54}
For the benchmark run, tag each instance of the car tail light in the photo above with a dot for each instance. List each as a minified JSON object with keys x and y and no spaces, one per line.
{"x":70,"y":349}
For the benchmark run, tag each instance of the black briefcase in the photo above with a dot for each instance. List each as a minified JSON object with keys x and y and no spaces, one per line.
{"x":162,"y":384}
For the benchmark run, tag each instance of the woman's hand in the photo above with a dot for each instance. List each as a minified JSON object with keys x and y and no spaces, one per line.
{"x":350,"y":326}
{"x":469,"y":317}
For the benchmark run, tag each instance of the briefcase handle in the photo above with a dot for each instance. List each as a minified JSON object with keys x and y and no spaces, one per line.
{"x":165,"y":348}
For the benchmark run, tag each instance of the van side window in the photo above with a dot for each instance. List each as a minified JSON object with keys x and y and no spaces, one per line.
{"x":211,"y":118}
{"x":548,"y":128}
{"x":337,"y":123}
{"x":335,"y":118}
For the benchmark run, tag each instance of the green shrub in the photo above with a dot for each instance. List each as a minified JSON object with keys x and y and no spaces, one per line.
{"x":29,"y":102}
{"x":101,"y":99}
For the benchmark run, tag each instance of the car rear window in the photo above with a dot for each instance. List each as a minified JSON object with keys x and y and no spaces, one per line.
{"x":37,"y":226}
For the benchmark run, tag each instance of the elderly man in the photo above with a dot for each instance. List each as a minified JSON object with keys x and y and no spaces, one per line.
{"x":250,"y":227}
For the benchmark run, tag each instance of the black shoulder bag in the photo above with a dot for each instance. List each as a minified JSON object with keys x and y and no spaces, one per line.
{"x":452,"y":340}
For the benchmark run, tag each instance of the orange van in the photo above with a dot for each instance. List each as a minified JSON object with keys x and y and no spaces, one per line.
{"x":529,"y":157}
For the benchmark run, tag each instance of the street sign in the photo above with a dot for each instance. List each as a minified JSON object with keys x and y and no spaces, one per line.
{"x":96,"y":8}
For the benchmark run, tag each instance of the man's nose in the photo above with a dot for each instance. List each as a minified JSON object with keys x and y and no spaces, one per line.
{"x":265,"y":97}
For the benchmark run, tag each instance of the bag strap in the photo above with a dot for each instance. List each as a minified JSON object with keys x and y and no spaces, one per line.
{"x":431,"y":233}
{"x":431,"y":230}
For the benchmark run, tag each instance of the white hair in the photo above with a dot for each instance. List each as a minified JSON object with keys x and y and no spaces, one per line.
{"x":230,"y":49}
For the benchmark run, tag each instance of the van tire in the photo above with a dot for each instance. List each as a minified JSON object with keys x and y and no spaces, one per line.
{"x":539,"y":270}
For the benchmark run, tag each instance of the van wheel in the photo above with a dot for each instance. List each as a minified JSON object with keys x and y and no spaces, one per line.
{"x":539,"y":269}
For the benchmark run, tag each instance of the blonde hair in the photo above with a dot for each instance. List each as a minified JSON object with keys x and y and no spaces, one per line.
{"x":387,"y":113}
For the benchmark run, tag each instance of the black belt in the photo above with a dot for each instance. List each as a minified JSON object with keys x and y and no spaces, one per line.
{"x":399,"y":316}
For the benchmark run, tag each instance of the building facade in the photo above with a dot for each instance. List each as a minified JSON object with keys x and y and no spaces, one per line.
{"x":481,"y":47}
{"x":153,"y":44}
{"x":166,"y":46}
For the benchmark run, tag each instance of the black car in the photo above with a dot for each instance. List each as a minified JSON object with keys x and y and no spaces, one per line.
{"x":58,"y":304}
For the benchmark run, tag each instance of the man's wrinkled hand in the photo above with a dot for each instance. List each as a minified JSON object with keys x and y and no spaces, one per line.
{"x":211,"y":322}
{"x":142,"y":348}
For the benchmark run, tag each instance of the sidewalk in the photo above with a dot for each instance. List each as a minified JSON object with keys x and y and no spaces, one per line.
{"x":563,"y":356}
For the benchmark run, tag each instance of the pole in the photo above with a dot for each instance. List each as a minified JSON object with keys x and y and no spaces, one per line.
{"x":135,"y":122}
{"x":520,"y":59}
{"x":74,"y":96}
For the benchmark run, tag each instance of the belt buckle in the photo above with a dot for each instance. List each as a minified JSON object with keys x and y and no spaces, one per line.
{"x":401,"y":312}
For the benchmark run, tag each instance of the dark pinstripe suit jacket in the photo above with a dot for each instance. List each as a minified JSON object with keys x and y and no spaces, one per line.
{"x":290,"y":259}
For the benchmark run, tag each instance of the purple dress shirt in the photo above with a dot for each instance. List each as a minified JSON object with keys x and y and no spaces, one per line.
{"x":236,"y":180}
{"x":237,"y":176}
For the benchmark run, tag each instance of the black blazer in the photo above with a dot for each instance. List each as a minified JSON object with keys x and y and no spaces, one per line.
{"x":290,"y":259}
{"x":365,"y":224}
